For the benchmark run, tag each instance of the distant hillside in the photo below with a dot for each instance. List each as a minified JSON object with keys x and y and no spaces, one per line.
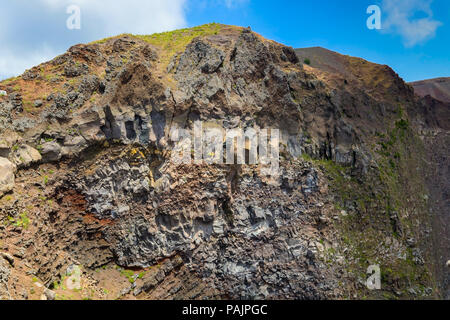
{"x":323,"y":59}
{"x":438,"y":88}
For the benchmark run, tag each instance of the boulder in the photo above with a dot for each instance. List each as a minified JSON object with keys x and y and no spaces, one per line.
{"x":25,"y":156}
{"x":38,"y":103}
{"x":49,"y":294}
{"x":8,"y":258}
{"x":7,"y":171}
{"x":8,"y":141}
{"x":73,"y":145}
{"x":51,"y":151}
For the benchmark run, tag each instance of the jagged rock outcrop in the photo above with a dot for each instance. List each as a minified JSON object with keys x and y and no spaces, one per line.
{"x":4,"y":277}
{"x":104,"y":191}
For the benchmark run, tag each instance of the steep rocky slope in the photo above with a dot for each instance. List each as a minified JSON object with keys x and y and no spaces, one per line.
{"x":93,"y":206}
{"x":438,"y":88}
{"x":431,"y":120}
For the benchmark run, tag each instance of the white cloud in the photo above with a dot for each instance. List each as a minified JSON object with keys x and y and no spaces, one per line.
{"x":234,"y":3}
{"x":12,"y":64}
{"x":44,"y":21}
{"x":401,"y":17}
{"x":130,"y":16}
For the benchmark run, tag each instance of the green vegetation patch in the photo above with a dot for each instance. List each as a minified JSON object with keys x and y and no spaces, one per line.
{"x":384,"y":211}
{"x":172,"y":42}
{"x":21,"y":222}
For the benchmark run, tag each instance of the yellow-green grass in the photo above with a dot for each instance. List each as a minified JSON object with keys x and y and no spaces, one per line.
{"x":171,"y":42}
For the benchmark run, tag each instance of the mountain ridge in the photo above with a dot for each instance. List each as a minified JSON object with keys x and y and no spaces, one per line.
{"x":94,"y":188}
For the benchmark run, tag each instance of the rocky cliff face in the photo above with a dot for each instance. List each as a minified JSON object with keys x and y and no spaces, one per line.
{"x":98,"y":209}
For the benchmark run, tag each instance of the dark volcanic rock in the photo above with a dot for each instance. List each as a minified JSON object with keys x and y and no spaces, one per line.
{"x":353,"y":188}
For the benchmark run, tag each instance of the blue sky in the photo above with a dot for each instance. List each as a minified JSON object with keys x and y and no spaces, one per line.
{"x":414,"y":39}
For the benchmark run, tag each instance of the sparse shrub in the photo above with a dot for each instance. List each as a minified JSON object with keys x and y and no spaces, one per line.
{"x":402,"y":124}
